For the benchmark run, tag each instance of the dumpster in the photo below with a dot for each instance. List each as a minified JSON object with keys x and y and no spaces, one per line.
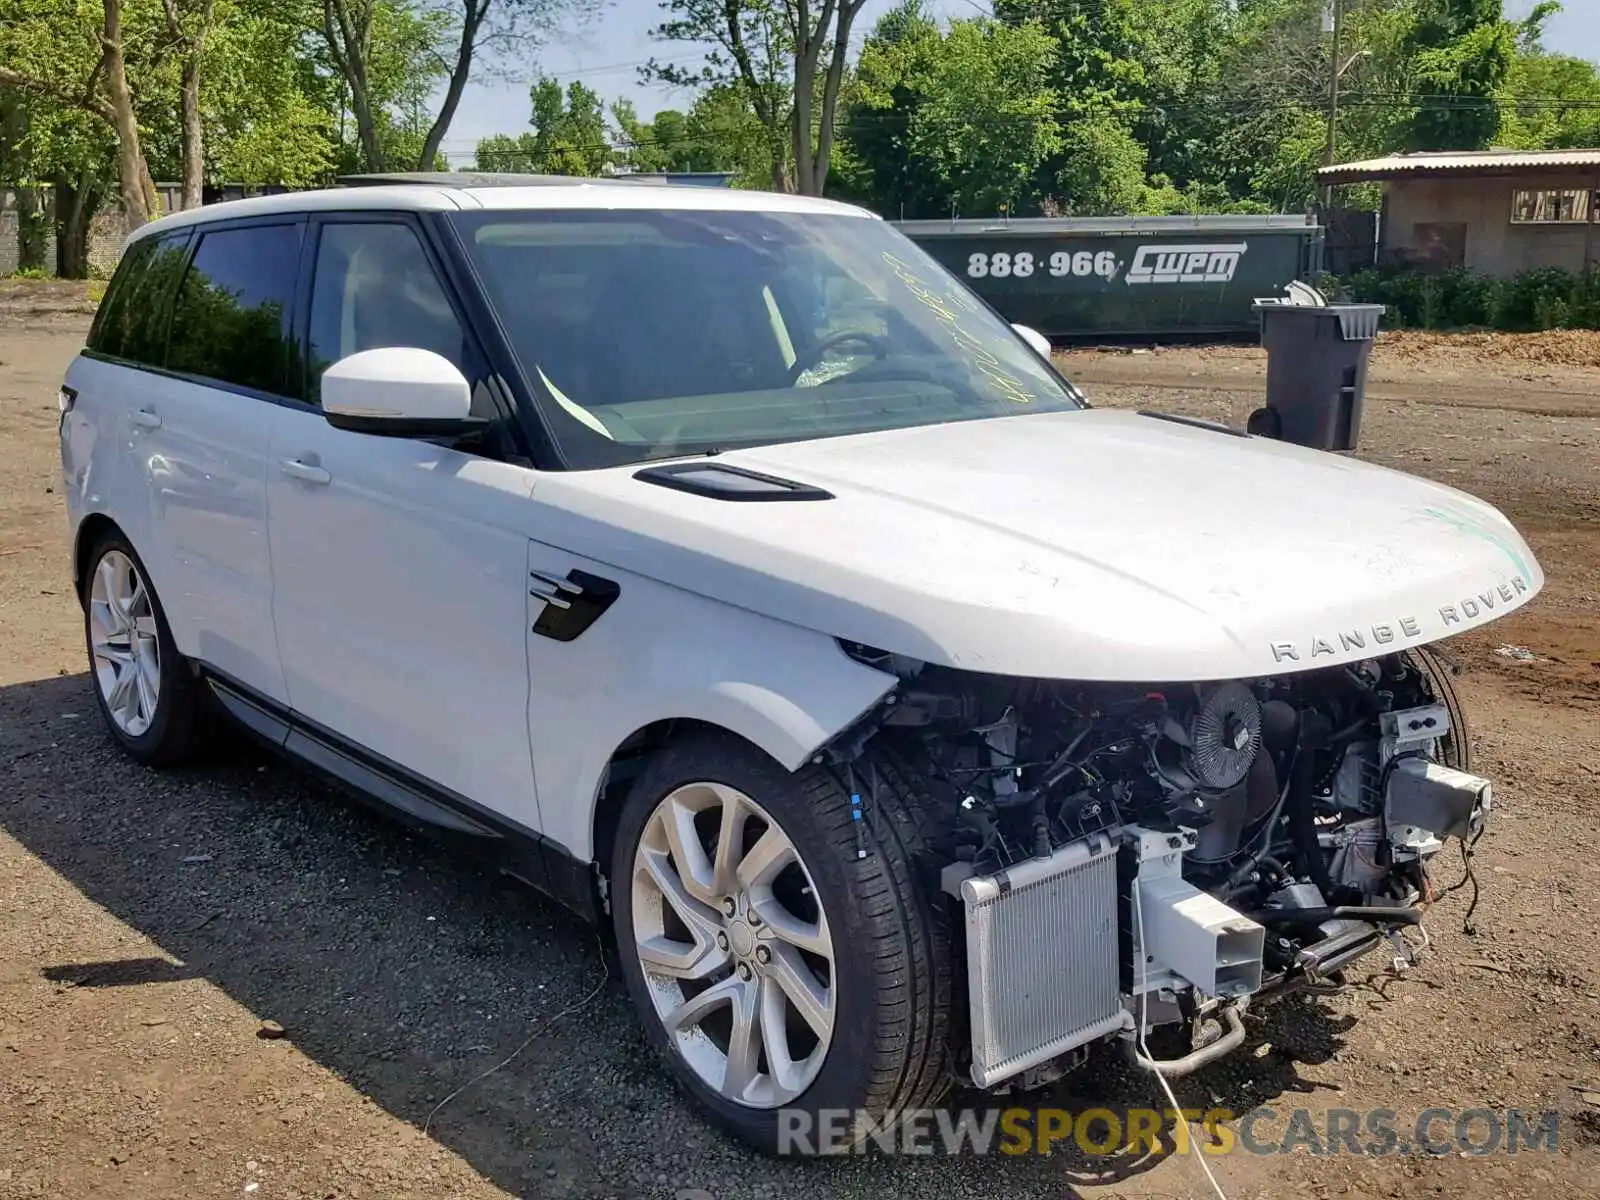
{"x":1317,"y":356}
{"x":1126,"y":276}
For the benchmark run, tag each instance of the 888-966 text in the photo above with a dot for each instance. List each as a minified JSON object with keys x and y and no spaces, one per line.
{"x":1020,"y":264}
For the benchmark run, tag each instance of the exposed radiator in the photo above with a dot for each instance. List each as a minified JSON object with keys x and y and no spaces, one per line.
{"x":1042,"y":958}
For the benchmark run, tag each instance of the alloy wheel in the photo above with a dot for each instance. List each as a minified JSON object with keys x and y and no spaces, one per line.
{"x":734,"y":945}
{"x":124,"y":646}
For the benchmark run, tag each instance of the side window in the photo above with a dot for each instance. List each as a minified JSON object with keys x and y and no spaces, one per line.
{"x":131,"y":323}
{"x":229,"y":322}
{"x":374,"y":286}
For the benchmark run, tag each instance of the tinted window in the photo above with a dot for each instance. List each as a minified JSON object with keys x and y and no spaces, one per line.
{"x":230,"y":319}
{"x":132,"y":322}
{"x":374,"y":286}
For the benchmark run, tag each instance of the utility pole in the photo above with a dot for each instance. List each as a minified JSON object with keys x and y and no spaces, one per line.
{"x":1333,"y":22}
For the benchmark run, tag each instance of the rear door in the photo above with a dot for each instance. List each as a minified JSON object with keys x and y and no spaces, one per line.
{"x":110,"y":433}
{"x":207,"y":435}
{"x":400,"y":565}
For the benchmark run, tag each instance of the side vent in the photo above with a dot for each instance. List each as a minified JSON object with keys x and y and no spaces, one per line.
{"x":721,"y":481}
{"x":571,"y":604}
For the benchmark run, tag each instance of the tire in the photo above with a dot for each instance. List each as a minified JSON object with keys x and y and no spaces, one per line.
{"x":1455,"y":748}
{"x":888,"y":974}
{"x":157,"y":725}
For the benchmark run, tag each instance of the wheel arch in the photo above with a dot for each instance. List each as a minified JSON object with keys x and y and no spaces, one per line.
{"x":765,"y":721}
{"x":624,"y":767}
{"x":91,"y":529}
{"x":662,"y":661}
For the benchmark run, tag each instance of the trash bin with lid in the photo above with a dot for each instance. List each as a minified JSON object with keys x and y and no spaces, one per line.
{"x":1317,"y":355}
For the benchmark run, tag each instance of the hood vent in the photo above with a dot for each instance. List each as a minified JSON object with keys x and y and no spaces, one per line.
{"x":722,"y":481}
{"x":1196,"y":422}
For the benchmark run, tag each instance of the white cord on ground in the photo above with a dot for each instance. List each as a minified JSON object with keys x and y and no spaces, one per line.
{"x":1138,"y":917}
{"x":538,"y":1026}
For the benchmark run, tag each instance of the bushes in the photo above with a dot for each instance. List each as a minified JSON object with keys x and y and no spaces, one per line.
{"x":1547,"y":298}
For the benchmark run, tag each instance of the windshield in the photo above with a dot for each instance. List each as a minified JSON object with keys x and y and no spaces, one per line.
{"x":659,"y":333}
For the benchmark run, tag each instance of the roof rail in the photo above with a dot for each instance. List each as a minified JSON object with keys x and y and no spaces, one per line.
{"x":473,"y":179}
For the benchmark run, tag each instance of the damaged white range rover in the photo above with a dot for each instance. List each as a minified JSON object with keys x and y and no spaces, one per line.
{"x":718,"y":563}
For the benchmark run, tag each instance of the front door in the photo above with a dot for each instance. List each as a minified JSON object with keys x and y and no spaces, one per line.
{"x":400,"y":565}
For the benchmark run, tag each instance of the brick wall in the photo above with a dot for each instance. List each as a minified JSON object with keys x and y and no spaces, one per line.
{"x":107,"y":232}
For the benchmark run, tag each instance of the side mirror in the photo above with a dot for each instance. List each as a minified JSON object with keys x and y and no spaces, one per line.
{"x":398,"y":391}
{"x":1040,"y":343}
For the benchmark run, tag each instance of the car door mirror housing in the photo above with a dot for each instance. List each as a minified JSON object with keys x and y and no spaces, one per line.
{"x":1034,"y":338}
{"x":398,"y":391}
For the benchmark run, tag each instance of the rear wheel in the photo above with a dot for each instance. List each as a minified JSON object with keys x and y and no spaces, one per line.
{"x":149,"y":699}
{"x":783,"y":977}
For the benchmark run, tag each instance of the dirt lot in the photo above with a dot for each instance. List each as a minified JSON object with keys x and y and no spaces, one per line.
{"x":149,"y":924}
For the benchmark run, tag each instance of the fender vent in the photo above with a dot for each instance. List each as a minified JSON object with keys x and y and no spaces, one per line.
{"x":722,"y":481}
{"x":570,"y":604}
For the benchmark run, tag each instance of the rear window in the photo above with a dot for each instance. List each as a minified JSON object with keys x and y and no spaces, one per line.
{"x":230,"y":319}
{"x":131,"y":323}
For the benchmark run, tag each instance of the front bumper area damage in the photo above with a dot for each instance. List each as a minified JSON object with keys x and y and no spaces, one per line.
{"x":1125,"y":858}
{"x":1071,"y":949}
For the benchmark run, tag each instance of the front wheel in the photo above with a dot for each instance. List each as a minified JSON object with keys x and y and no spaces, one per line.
{"x":799,"y":990}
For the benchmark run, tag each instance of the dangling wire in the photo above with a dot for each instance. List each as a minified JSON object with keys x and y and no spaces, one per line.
{"x":1468,"y":851}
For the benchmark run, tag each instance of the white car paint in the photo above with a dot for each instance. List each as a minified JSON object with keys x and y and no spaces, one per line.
{"x":400,"y":603}
{"x":1094,"y":545}
{"x":665,"y":653}
{"x":396,"y":381}
{"x":1090,"y":545}
{"x":184,"y":474}
{"x":585,"y":193}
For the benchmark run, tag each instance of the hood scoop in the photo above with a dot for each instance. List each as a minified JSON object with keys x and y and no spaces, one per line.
{"x":723,"y":481}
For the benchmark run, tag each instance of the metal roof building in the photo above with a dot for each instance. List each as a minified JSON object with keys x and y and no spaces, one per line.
{"x":1496,"y":211}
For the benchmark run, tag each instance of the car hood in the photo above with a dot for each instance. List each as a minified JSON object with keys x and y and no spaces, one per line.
{"x":1095,"y":545}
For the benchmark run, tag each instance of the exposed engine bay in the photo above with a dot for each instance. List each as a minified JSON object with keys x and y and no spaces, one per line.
{"x":1133,"y":856}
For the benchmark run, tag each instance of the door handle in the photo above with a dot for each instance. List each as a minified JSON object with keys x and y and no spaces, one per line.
{"x":304,"y":472}
{"x":145,"y":419}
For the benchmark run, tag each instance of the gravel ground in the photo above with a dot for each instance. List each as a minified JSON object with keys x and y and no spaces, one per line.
{"x":151,"y":923}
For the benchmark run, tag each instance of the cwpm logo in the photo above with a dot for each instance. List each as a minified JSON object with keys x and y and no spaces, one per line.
{"x":1375,"y":1133}
{"x":1186,"y":264}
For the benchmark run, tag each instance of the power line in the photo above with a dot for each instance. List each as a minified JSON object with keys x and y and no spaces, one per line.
{"x":1350,"y":100}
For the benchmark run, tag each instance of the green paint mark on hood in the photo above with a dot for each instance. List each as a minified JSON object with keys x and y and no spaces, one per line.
{"x":1485,"y":533}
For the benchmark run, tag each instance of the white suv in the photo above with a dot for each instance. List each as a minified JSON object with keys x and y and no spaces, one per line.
{"x":717,"y":563}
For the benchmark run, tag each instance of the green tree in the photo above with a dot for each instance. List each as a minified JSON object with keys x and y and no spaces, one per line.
{"x":1097,"y":65}
{"x":1548,"y":101}
{"x":387,"y":56}
{"x":786,"y":58}
{"x":960,"y":119}
{"x":718,"y":133}
{"x":1463,"y":51}
{"x":77,"y":54}
{"x":479,"y":29}
{"x":270,"y":117}
{"x":1183,"y":47}
{"x":569,"y":135}
{"x":747,"y":52}
{"x":1103,"y":168}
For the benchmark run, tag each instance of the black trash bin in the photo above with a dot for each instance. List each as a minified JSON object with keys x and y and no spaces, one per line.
{"x":1317,"y":358}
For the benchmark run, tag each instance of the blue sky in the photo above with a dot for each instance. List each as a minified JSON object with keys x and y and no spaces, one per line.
{"x":607,"y":59}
